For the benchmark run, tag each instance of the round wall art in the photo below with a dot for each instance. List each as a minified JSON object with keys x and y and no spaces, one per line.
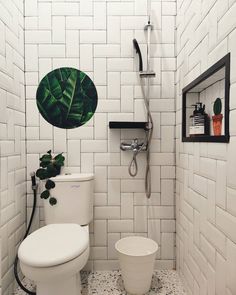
{"x":67,"y":98}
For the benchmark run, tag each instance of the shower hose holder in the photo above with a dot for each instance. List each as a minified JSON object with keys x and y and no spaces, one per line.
{"x":149,"y":25}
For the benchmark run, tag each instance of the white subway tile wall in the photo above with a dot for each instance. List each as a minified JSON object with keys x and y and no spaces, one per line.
{"x":96,"y":37}
{"x":12,"y":136}
{"x":206,"y":183}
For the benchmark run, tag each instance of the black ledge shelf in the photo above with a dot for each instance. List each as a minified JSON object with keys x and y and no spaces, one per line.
{"x":207,"y":138}
{"x":127,"y":125}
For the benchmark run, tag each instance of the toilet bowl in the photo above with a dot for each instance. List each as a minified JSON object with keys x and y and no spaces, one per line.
{"x":53,"y":256}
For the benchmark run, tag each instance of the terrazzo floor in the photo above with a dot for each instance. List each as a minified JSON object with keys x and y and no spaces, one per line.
{"x":164,"y":282}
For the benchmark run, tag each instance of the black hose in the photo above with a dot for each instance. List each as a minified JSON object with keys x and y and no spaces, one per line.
{"x":34,"y":188}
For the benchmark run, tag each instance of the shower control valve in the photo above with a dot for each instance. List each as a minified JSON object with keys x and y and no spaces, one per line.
{"x":134,"y":146}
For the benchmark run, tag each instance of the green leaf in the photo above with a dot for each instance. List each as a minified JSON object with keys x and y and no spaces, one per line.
{"x":52,"y":170}
{"x":46,"y":158}
{"x":53,"y":201}
{"x":217,"y":108}
{"x":44,"y":164}
{"x":59,"y":157}
{"x":42,"y":174}
{"x":49,"y":184}
{"x":45,"y":194}
{"x":48,"y":105}
{"x":59,"y":160}
{"x":67,"y":98}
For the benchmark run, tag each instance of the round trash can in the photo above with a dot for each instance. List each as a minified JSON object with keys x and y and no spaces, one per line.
{"x":136,"y":258}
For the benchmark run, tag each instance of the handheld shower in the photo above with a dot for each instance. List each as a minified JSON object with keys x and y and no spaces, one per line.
{"x":138,"y":51}
{"x":33,"y":179}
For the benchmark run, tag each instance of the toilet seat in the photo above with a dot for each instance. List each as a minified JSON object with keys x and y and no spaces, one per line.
{"x":53,"y":245}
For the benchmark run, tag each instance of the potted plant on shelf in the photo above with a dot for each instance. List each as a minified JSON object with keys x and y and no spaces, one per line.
{"x":218,"y":117}
{"x":49,"y":167}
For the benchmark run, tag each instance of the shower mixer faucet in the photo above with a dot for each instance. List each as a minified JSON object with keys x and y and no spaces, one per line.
{"x":134,"y":146}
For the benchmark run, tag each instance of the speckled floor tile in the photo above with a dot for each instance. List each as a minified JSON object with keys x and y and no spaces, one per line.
{"x":164,"y":282}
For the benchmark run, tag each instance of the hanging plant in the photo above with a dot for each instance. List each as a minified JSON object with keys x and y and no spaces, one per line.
{"x":49,"y":167}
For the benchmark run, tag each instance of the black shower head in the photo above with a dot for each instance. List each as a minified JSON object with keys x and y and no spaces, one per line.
{"x":138,"y":51}
{"x":136,"y":45}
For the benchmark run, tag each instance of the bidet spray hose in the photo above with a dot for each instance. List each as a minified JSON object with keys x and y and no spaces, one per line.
{"x":34,"y":188}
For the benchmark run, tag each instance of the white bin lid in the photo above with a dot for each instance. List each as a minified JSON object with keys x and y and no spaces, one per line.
{"x":136,"y":246}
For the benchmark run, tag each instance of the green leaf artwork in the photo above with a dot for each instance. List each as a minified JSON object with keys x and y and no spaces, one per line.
{"x":67,"y":98}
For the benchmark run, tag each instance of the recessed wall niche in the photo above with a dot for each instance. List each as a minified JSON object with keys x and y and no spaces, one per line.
{"x":205,"y":116}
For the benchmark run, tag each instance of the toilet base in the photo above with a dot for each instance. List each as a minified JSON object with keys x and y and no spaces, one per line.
{"x":63,"y":279}
{"x":71,"y":286}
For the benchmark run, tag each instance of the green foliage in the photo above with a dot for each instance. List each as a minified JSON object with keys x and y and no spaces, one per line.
{"x":53,"y":201}
{"x":45,"y":194}
{"x":67,"y":98}
{"x":42,"y":174}
{"x":50,"y":167}
{"x":50,"y":184}
{"x":217,"y":108}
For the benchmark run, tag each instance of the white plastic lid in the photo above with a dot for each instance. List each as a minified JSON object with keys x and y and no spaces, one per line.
{"x":53,"y":244}
{"x":73,"y":177}
{"x":136,"y":246}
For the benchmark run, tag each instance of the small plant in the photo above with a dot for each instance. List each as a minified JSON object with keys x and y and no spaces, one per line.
{"x":50,"y":167}
{"x":217,"y":108}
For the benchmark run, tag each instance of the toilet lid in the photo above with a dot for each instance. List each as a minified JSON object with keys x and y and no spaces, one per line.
{"x":53,"y":244}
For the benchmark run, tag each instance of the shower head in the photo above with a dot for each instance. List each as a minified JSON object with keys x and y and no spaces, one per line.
{"x":138,"y":51}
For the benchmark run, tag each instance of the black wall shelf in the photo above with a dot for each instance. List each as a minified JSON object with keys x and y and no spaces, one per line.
{"x":127,"y":125}
{"x":207,"y":138}
{"x":203,"y":82}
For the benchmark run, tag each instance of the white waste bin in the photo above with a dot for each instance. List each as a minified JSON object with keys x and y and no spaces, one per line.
{"x":136,"y":258}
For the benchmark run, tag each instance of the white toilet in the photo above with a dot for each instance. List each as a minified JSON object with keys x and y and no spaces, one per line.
{"x":53,"y":255}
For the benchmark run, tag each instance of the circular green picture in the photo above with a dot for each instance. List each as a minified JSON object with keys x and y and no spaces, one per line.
{"x":67,"y":98}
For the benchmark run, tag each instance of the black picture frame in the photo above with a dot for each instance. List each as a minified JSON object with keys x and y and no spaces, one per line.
{"x":222,"y":63}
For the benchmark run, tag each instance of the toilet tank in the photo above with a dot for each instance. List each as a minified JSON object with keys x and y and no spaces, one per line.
{"x":74,"y":194}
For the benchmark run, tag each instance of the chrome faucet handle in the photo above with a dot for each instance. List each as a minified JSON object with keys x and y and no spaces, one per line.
{"x":125,"y":146}
{"x":134,"y":144}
